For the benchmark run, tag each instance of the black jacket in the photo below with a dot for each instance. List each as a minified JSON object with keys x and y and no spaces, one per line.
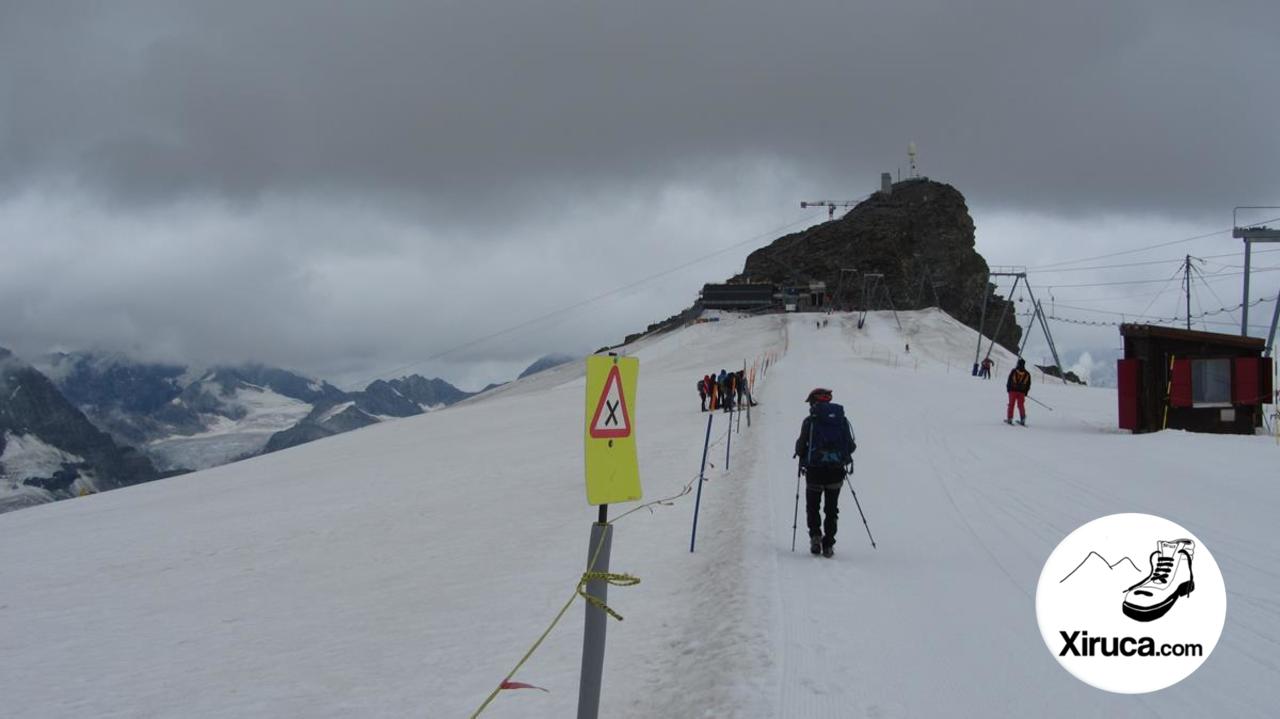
{"x":1019,"y":381}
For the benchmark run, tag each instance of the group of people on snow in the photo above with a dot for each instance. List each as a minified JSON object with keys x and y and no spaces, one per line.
{"x":725,"y":391}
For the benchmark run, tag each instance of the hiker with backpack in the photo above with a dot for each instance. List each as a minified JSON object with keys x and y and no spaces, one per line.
{"x":744,"y":390}
{"x":1018,"y":386}
{"x":726,"y":397}
{"x":702,"y":392}
{"x":825,"y":449}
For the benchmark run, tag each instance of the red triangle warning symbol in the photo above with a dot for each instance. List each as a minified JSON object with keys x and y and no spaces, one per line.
{"x":611,"y":419}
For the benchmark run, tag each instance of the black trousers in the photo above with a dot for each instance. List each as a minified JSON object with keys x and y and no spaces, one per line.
{"x":814,"y":495}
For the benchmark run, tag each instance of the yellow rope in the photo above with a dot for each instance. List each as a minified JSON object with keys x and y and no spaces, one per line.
{"x":621,"y":580}
{"x":526,"y":656}
{"x":617,"y":580}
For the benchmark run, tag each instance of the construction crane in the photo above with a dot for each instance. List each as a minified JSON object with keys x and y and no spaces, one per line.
{"x":831,"y":206}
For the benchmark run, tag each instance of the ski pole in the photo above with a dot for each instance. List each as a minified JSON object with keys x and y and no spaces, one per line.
{"x":795,"y":517}
{"x":1042,"y":404}
{"x":864,"y":517}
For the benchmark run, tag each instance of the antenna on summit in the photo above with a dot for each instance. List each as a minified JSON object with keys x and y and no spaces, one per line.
{"x":911,"y":155}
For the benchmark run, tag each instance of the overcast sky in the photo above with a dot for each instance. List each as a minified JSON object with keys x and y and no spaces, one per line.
{"x":350,"y":189}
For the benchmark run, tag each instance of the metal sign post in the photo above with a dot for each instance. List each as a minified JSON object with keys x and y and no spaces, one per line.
{"x":613,"y":475}
{"x":597,"y":622}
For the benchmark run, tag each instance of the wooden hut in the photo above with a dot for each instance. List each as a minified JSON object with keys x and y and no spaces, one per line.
{"x":1171,"y":378}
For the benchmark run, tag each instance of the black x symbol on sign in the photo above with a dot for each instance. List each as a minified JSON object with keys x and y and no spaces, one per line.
{"x":612,"y":418}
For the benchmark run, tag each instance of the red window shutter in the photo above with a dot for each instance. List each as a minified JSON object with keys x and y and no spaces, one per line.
{"x":1244,"y":381}
{"x":1265,"y":389}
{"x":1128,"y":374}
{"x":1180,"y":388}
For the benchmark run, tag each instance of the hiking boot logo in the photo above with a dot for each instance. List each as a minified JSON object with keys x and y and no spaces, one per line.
{"x":1171,"y":577}
{"x":1121,"y":617}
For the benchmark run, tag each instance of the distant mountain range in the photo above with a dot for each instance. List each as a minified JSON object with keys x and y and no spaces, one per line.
{"x":546,"y":363}
{"x":49,"y":449}
{"x":70,"y":423}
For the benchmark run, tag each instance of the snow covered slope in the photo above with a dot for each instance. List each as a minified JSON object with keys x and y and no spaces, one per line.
{"x":402,"y":569}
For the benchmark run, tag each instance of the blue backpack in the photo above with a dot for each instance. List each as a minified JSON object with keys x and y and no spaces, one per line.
{"x":830,"y":440}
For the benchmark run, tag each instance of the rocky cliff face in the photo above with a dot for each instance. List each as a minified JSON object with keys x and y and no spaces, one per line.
{"x":48,"y":449}
{"x":920,"y":236}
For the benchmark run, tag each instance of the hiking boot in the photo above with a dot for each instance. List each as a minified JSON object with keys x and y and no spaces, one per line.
{"x":1023,"y":421}
{"x":828,"y":551}
{"x":815,"y":545}
{"x":1008,"y":421}
{"x":1169,"y":579}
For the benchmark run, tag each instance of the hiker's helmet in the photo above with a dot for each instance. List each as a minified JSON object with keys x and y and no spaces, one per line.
{"x":819,"y":394}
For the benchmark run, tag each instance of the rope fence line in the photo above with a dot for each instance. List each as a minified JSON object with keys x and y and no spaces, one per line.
{"x":762,"y":363}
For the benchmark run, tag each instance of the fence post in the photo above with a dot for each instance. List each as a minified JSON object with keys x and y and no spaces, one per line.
{"x":697,"y":503}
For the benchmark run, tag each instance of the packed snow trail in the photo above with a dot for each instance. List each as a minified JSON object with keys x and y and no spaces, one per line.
{"x":940,"y":620}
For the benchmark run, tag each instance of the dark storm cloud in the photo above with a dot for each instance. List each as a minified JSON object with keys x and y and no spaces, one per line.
{"x":349,"y":188}
{"x":454,"y":105}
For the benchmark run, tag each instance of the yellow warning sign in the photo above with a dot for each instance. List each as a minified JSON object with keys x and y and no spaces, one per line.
{"x":612,"y":471}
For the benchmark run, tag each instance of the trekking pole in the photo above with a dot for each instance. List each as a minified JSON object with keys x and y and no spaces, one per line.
{"x":859,"y":505}
{"x":795,"y":517}
{"x":1042,"y":404}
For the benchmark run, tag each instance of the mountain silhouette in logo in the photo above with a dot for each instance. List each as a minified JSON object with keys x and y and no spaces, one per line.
{"x":1093,"y":559}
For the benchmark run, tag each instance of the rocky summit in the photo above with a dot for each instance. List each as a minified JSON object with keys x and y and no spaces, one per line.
{"x":919,"y":235}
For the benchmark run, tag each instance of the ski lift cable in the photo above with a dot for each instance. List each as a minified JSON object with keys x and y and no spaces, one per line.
{"x":1213,"y":276}
{"x":1163,"y":320}
{"x":1110,"y":298}
{"x":1143,"y":249}
{"x":1163,"y":289}
{"x":1239,"y":255}
{"x":1204,"y":323}
{"x":1208,"y":313}
{"x":1105,"y":267}
{"x":1148,"y":263}
{"x":1196,"y":270}
{"x":583,"y":303}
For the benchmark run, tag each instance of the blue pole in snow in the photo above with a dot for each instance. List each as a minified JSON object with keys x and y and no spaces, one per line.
{"x":706,"y":444}
{"x":729,"y":441}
